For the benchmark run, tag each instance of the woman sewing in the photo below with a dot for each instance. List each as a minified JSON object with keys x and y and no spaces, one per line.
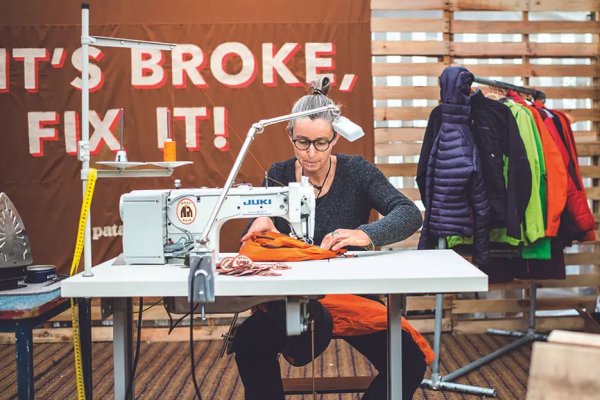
{"x":347,"y":188}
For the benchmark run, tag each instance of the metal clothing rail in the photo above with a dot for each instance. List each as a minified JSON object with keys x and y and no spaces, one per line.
{"x":537,"y":94}
{"x":439,"y":382}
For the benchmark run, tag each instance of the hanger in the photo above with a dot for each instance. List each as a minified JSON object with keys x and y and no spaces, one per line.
{"x":497,"y":90}
{"x":495,"y":93}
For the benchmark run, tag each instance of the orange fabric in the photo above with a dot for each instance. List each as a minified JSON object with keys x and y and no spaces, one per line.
{"x":354,"y":315}
{"x":273,"y":246}
{"x":556,"y":173}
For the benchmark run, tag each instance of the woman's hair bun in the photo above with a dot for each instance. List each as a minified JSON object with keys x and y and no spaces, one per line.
{"x":320,"y":86}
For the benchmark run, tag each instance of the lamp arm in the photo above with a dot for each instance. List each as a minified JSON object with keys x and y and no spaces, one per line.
{"x":254,"y":129}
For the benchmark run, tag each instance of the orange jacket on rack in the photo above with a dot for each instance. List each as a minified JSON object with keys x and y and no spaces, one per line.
{"x":352,"y":315}
{"x":556,"y":173}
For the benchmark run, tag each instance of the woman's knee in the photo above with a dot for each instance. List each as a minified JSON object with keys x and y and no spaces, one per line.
{"x":298,"y":350}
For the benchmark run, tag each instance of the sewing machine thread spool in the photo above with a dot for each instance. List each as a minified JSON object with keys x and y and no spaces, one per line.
{"x":121,"y":156}
{"x":169,"y":146}
{"x":169,"y":151}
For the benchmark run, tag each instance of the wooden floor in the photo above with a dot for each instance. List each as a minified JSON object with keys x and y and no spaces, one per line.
{"x":164,"y":370}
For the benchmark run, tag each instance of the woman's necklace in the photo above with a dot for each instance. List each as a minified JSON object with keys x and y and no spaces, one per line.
{"x":320,"y":187}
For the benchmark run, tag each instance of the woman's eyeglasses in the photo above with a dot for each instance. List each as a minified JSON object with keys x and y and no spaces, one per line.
{"x":318,"y":144}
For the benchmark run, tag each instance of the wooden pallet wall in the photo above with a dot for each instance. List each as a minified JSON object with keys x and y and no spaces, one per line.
{"x":520,"y":42}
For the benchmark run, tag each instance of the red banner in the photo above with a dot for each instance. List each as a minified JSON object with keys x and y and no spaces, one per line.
{"x":236,"y":63}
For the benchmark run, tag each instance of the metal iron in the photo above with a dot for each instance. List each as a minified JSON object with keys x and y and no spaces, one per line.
{"x":15,"y":250}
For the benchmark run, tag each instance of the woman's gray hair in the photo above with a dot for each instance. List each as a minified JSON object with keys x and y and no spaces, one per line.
{"x":317,"y":98}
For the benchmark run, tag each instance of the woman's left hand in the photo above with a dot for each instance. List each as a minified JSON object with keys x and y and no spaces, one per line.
{"x":345,"y":237}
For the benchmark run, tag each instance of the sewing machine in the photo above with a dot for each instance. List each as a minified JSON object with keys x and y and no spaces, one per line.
{"x":163,"y":226}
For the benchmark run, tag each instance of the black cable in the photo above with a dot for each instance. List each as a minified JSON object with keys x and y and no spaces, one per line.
{"x":149,"y":307}
{"x":177,"y":323}
{"x":144,"y":310}
{"x":137,"y":349}
{"x":170,"y":318}
{"x":192,"y":345}
{"x":171,"y":324}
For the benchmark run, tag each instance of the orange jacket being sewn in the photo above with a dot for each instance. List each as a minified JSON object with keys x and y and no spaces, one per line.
{"x":274,"y":246}
{"x":354,"y":315}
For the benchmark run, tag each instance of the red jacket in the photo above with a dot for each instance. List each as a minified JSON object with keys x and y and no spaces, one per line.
{"x":578,"y":221}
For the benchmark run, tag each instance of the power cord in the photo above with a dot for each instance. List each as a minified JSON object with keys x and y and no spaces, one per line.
{"x":173,"y":325}
{"x":147,"y":308}
{"x":192,"y":345}
{"x":137,"y":348}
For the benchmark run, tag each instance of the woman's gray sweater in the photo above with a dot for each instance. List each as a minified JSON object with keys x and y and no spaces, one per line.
{"x":357,"y":188}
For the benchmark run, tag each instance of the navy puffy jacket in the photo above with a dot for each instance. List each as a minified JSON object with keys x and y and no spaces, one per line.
{"x":455,"y":199}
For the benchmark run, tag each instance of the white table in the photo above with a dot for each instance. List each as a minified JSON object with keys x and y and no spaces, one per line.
{"x":393,"y":273}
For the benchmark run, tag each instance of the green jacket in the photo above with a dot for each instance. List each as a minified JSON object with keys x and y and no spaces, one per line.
{"x":535,"y":244}
{"x":538,"y":246}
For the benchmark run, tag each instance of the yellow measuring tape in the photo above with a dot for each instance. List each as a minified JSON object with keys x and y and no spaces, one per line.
{"x":83,"y":216}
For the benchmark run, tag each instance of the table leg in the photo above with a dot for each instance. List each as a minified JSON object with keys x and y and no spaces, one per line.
{"x":24,"y":343}
{"x":122,"y":339}
{"x":85,"y":339}
{"x":394,"y":347}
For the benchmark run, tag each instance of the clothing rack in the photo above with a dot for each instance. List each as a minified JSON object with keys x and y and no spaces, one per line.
{"x":438,"y":382}
{"x":536,"y":94}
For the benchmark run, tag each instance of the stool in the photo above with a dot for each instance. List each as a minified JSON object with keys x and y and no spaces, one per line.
{"x":324,"y":385}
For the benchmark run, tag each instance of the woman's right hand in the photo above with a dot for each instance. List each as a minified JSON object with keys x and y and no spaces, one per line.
{"x":260,"y":225}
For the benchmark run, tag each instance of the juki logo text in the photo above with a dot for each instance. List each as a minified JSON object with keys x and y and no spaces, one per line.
{"x":257,"y":202}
